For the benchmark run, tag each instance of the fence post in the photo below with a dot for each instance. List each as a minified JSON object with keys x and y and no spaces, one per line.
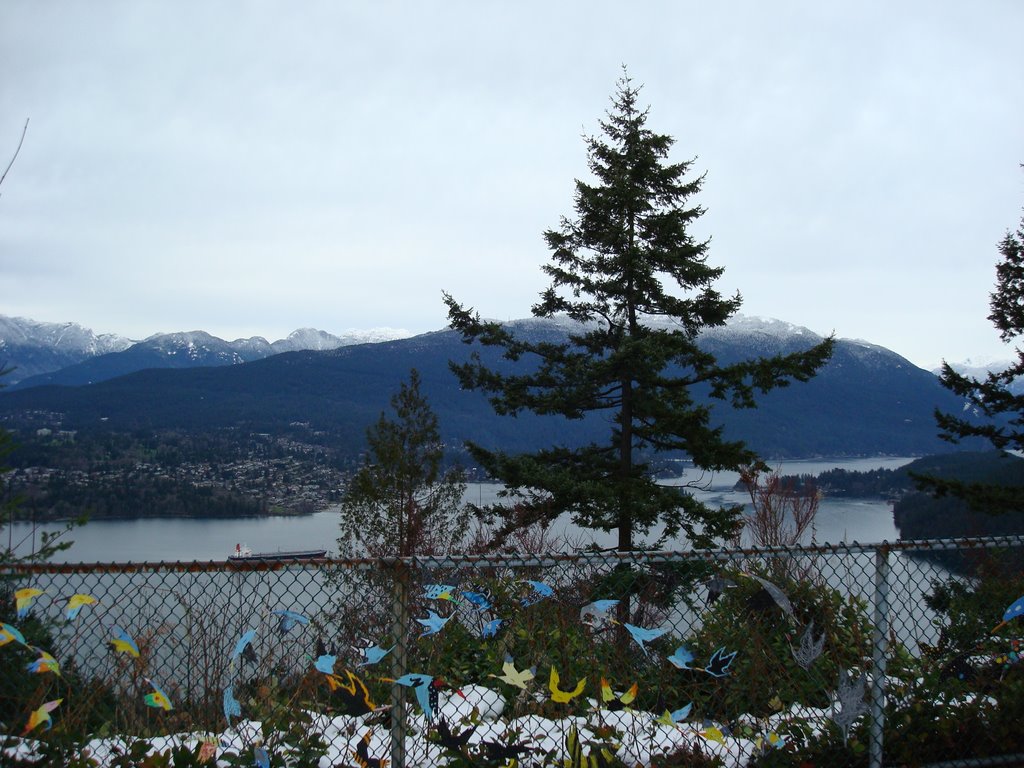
{"x":880,"y":648}
{"x":399,"y":631}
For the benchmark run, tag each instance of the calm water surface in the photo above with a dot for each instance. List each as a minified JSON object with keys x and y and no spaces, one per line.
{"x":154,"y":540}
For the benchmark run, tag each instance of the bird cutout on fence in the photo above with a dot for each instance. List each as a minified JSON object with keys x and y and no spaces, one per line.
{"x":23,"y":600}
{"x":261,"y":758}
{"x":231,"y":706}
{"x":719,"y":663}
{"x":716,"y":586}
{"x":810,"y":648}
{"x":504,"y":753}
{"x":644,"y":635}
{"x":287,"y":620}
{"x":515,"y":677}
{"x":772,"y":741}
{"x":539,"y":591}
{"x":325,"y":663}
{"x":681,"y":658}
{"x":244,"y":643}
{"x":374,"y":654}
{"x":123,"y":643}
{"x":713,"y":733}
{"x":433,"y":623}
{"x":1016,"y":609}
{"x":672,"y":719}
{"x":482,"y":601}
{"x":439,"y":592}
{"x":75,"y":603}
{"x":595,"y":614}
{"x":560,"y":696}
{"x":490,"y":629}
{"x":425,"y":687}
{"x":45,"y":663}
{"x":9,"y":634}
{"x":615,"y":702}
{"x":157,"y":698}
{"x":41,"y":716}
{"x":361,"y":754}
{"x":454,"y":742}
{"x":777,"y":597}
{"x":850,"y":701}
{"x":352,"y":693}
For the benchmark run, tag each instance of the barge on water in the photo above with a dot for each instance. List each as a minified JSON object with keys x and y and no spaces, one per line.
{"x":244,"y":554}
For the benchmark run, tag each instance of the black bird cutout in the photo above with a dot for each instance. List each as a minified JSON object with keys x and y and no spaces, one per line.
{"x":352,"y":694}
{"x":362,"y":754}
{"x":453,"y":741}
{"x":498,"y":751}
{"x":718,"y":664}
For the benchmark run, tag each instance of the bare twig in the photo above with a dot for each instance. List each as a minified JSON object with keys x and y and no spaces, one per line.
{"x":16,"y":151}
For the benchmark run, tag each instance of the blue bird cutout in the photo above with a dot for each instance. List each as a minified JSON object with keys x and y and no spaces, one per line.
{"x":718,"y":665}
{"x":671,"y":718}
{"x":288,"y":620}
{"x":681,"y":658}
{"x":10,"y":634}
{"x":231,"y":706}
{"x":1016,"y":609}
{"x":325,"y":664}
{"x":261,"y":758}
{"x":643,"y":635}
{"x":439,"y":592}
{"x":246,"y":639}
{"x":433,"y":623}
{"x":374,"y":654}
{"x":421,"y":685}
{"x":490,"y":629}
{"x":540,"y":591}
{"x":478,"y":600}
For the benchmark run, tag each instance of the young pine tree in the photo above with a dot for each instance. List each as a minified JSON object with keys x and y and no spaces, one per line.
{"x":401,"y":502}
{"x":628,"y":269}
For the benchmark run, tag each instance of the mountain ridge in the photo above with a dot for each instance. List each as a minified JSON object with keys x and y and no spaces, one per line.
{"x":867,"y":400}
{"x":41,"y":353}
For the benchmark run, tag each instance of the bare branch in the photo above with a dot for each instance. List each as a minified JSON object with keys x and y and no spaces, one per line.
{"x":16,"y":151}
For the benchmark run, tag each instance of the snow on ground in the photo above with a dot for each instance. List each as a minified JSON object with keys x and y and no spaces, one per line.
{"x":638,"y":736}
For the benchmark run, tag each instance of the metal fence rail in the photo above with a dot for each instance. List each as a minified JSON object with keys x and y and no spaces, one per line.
{"x":850,"y":654}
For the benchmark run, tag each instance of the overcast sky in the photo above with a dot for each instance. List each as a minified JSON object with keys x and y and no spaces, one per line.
{"x":249,"y":168}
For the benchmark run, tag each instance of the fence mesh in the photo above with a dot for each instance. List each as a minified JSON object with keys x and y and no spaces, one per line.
{"x":856,"y":655}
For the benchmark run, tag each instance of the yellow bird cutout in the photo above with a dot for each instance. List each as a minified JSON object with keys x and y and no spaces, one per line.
{"x":45,"y":663}
{"x":9,"y":634}
{"x":23,"y":600}
{"x":614,"y":701}
{"x":560,"y":696}
{"x":75,"y":603}
{"x":517,"y":678}
{"x":42,"y":716}
{"x":123,"y":643}
{"x":713,"y":734}
{"x":157,"y":698}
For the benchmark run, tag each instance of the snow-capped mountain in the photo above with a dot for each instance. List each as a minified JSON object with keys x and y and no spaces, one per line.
{"x":67,"y":353}
{"x":31,"y":347}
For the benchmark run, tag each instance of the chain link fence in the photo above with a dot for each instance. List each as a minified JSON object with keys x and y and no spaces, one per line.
{"x":892,"y":654}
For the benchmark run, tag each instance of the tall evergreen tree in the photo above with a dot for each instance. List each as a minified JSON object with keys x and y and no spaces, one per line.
{"x":402,"y":502}
{"x":628,"y":269}
{"x":992,"y":397}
